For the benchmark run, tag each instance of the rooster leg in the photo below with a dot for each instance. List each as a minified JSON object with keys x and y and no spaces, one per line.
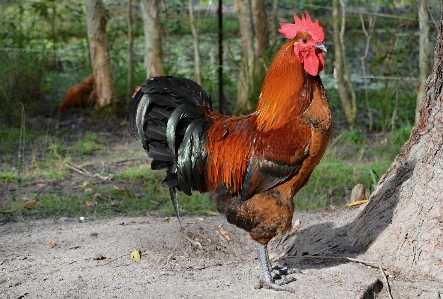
{"x":173,"y":194}
{"x":266,"y":281}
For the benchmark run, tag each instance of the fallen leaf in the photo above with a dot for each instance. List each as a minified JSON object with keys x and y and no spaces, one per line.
{"x":224,"y":233}
{"x":51,"y":243}
{"x":93,"y":235}
{"x":213,"y":213}
{"x":89,"y":204}
{"x":116,"y":187}
{"x":41,"y":185}
{"x":165,"y":220}
{"x":195,"y":243}
{"x":31,"y":204}
{"x":331,"y":207}
{"x":88,"y":189}
{"x":356,"y":203}
{"x":136,"y":255}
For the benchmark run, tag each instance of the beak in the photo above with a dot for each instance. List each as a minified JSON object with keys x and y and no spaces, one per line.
{"x":321,"y":47}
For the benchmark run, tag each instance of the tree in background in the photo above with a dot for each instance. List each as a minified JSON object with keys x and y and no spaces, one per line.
{"x":261,"y":33}
{"x":274,"y":21}
{"x":130,"y":89}
{"x":424,"y":50}
{"x":197,"y":66}
{"x":341,"y":71}
{"x":401,"y":226}
{"x":105,"y":92}
{"x":153,"y":39}
{"x":255,"y":40}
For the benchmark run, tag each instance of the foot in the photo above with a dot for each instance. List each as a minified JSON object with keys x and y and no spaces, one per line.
{"x":268,"y":281}
{"x":268,"y":284}
{"x":279,"y":272}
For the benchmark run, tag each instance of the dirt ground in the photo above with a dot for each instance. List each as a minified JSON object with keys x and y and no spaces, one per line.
{"x":90,"y":258}
{"x":70,"y":258}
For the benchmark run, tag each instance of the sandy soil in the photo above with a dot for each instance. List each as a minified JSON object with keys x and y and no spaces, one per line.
{"x":69,"y":258}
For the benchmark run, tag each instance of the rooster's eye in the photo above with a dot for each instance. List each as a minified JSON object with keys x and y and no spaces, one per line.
{"x":304,"y":40}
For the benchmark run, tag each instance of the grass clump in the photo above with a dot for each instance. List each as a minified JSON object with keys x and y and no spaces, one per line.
{"x":88,"y":145}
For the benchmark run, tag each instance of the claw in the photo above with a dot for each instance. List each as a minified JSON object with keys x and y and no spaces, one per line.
{"x":266,"y":280}
{"x":262,"y":283}
{"x":286,"y":280}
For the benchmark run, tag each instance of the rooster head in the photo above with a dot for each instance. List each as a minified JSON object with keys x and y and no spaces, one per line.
{"x":308,"y":40}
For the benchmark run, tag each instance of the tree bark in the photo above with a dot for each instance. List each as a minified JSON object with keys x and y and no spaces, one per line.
{"x":248,"y":61}
{"x":153,"y":40}
{"x":130,"y":89}
{"x":261,"y":33}
{"x":402,"y":225}
{"x":368,"y":33}
{"x":104,"y":87}
{"x":423,"y":54}
{"x":274,"y":21}
{"x":197,"y":67}
{"x":349,"y":106}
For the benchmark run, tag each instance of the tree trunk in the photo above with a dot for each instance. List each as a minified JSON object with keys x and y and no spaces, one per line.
{"x":130,"y":89}
{"x":104,"y":88}
{"x":423,"y":54}
{"x":368,"y":32}
{"x":274,"y":21}
{"x":248,"y":62}
{"x":402,"y":225}
{"x":349,"y":107}
{"x":197,"y":68}
{"x":153,"y":41}
{"x":261,"y":33}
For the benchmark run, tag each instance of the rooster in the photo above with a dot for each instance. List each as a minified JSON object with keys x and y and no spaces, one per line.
{"x":78,"y":95}
{"x":252,"y":165}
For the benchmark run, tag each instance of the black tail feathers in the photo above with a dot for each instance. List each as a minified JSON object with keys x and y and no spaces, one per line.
{"x":167,"y":116}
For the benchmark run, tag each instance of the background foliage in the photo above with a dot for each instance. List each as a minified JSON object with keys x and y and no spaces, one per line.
{"x":44,"y":50}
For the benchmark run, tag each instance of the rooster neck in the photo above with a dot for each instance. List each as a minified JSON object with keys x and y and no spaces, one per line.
{"x":283,"y":95}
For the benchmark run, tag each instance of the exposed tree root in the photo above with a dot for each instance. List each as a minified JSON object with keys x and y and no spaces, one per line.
{"x":350,"y":259}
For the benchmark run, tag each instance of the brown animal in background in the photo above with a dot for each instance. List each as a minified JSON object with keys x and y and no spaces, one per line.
{"x":78,"y":95}
{"x":253,"y":165}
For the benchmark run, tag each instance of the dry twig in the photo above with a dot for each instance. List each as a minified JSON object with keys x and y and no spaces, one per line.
{"x":83,"y":171}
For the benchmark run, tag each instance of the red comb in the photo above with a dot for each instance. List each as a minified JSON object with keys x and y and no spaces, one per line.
{"x":289,"y":30}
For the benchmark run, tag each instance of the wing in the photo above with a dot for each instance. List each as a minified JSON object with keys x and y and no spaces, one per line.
{"x":276,"y":156}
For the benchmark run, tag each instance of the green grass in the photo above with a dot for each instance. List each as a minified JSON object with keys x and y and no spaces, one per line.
{"x":136,"y":189}
{"x":12,"y":137}
{"x":88,"y":145}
